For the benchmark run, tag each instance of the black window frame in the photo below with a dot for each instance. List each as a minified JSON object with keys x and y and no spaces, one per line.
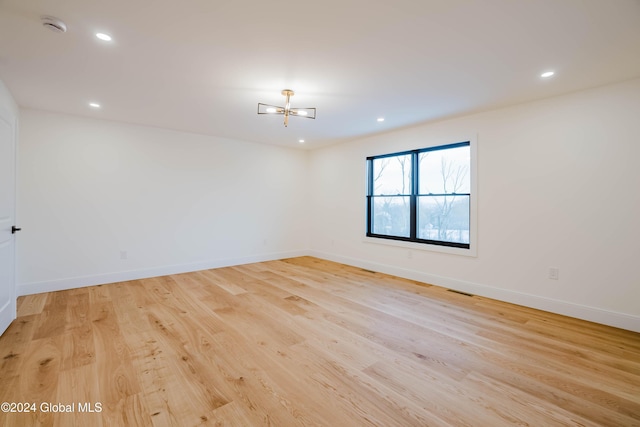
{"x":413,"y":197}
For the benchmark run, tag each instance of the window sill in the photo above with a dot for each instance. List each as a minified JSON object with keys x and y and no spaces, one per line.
{"x":471,"y":252}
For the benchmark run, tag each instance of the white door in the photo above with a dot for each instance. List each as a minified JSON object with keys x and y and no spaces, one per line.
{"x":7,"y":218}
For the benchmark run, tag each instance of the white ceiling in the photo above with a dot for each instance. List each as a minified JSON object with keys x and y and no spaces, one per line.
{"x":203,"y":65}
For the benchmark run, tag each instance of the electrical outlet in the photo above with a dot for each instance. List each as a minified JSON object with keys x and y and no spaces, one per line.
{"x":123,"y":254}
{"x":554,"y":273}
{"x":409,"y":254}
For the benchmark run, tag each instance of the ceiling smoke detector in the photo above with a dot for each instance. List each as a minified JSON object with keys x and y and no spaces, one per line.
{"x":54,"y":24}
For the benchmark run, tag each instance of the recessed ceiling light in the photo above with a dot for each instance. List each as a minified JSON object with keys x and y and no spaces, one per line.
{"x":380,"y":119}
{"x":547,"y":74}
{"x":103,"y":36}
{"x":94,"y":105}
{"x":301,"y":141}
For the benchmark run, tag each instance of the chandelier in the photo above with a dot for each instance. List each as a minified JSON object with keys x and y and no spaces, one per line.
{"x":309,"y":113}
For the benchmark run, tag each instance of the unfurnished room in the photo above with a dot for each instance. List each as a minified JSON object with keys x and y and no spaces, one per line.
{"x":340,"y":213}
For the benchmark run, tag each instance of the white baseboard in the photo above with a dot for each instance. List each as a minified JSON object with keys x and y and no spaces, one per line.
{"x":592,"y":314}
{"x":7,"y":315}
{"x":122,"y":276}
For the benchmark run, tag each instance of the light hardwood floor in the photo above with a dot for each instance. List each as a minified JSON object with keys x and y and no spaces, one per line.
{"x":308,"y":342}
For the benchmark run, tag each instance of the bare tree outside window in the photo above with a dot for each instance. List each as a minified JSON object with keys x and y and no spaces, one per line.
{"x":391,"y":202}
{"x":443,"y":204}
{"x":436,"y":210}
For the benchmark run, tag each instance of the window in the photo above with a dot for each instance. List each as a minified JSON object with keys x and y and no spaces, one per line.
{"x":421,"y":196}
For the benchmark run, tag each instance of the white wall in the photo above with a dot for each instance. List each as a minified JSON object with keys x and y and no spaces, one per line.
{"x":89,"y":189}
{"x":7,"y":102}
{"x":557,"y":187}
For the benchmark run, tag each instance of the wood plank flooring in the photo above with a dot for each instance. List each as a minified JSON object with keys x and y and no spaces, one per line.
{"x":307,"y":342}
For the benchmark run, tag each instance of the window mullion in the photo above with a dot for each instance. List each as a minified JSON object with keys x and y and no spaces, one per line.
{"x":413,"y":199}
{"x":369,"y":195}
